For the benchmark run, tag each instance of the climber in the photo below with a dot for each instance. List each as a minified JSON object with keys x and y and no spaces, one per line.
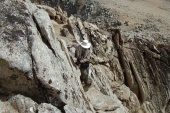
{"x":83,"y":55}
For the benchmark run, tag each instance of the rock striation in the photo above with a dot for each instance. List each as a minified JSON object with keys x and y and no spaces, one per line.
{"x":38,"y":74}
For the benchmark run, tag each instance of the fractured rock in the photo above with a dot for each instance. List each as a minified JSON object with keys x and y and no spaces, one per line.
{"x":23,"y":104}
{"x":61,"y":16}
{"x":47,"y":108}
{"x":51,"y":12}
{"x":35,"y":62}
{"x":102,"y":102}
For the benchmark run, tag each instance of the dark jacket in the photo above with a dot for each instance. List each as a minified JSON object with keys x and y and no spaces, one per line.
{"x":82,"y":55}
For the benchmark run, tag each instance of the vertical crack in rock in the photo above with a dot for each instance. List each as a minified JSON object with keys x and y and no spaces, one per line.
{"x":116,"y":37}
{"x":141,"y":95}
{"x":132,"y":80}
{"x":39,"y":45}
{"x":16,"y":75}
{"x":42,"y":98}
{"x":86,"y":101}
{"x":63,"y":47}
{"x":44,"y":39}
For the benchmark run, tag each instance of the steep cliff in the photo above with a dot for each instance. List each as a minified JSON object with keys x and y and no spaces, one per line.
{"x":38,"y":74}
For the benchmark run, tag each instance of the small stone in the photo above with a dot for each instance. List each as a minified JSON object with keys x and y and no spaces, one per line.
{"x":126,"y":23}
{"x":118,"y":23}
{"x":50,"y":81}
{"x":65,"y":32}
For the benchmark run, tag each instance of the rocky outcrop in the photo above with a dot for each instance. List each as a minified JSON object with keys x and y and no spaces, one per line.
{"x":21,"y":104}
{"x":45,"y":72}
{"x":38,"y":73}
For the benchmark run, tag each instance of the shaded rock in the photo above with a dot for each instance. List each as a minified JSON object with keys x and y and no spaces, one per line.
{"x":61,"y":16}
{"x":127,"y":97}
{"x":140,"y":65}
{"x":65,"y":32}
{"x":14,"y":37}
{"x":126,"y":23}
{"x":167,"y":108}
{"x":15,"y":57}
{"x":118,"y":23}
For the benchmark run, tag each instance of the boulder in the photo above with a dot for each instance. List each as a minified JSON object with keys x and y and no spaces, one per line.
{"x":47,"y":108}
{"x":103,"y":102}
{"x":23,"y":104}
{"x":5,"y":107}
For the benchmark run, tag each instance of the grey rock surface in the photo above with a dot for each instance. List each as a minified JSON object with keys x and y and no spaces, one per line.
{"x":71,"y":109}
{"x":23,"y":104}
{"x":51,"y":12}
{"x":102,"y":102}
{"x":47,"y":108}
{"x":129,"y":73}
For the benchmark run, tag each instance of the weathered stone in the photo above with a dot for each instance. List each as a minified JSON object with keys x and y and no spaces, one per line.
{"x":58,"y":19}
{"x":72,"y":21}
{"x":140,"y":64}
{"x":36,"y":63}
{"x":61,"y":16}
{"x":59,"y":70}
{"x":15,"y":57}
{"x":81,"y":29}
{"x":23,"y":104}
{"x":124,"y":93}
{"x":5,"y":107}
{"x":14,"y":38}
{"x":53,"y":73}
{"x":167,"y":108}
{"x":103,"y":102}
{"x":65,"y":32}
{"x":103,"y":47}
{"x":90,"y":26}
{"x":51,"y":12}
{"x":128,"y":98}
{"x":70,"y":109}
{"x":47,"y":108}
{"x":118,"y":23}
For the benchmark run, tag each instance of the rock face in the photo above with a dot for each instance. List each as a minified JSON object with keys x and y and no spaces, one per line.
{"x":37,"y":72}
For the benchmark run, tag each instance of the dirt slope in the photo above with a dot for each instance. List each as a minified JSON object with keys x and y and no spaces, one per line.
{"x":142,"y":12}
{"x":140,"y":9}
